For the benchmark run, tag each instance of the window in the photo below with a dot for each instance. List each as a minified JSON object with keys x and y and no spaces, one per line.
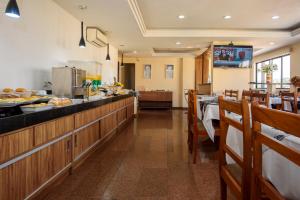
{"x":281,"y":77}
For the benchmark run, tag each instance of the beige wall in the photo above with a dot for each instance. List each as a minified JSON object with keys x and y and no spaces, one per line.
{"x":184,"y":75}
{"x":45,"y":36}
{"x":230,"y":78}
{"x":295,"y":60}
{"x":188,"y":76}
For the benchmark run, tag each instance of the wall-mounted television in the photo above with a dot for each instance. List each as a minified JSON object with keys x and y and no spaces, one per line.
{"x":232,"y":56}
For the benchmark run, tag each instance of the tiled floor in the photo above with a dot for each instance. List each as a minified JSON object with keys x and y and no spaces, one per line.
{"x":148,"y":161}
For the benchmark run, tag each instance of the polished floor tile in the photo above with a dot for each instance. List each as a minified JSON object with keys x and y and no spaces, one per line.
{"x":149,"y":160}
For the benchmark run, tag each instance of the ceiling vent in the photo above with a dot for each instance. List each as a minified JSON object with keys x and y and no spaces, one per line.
{"x":95,"y":36}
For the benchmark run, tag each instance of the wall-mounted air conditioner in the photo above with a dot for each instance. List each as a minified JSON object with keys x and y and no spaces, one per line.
{"x":96,"y":37}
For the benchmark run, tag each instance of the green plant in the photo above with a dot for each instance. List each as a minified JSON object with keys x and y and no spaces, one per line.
{"x":268,"y":69}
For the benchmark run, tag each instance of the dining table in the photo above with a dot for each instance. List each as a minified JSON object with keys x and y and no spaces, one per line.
{"x":282,"y":173}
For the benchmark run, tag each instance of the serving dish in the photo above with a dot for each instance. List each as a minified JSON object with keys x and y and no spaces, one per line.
{"x":36,"y":107}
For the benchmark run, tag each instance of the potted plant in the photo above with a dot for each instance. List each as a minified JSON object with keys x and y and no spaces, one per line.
{"x":295,"y":80}
{"x":268,"y":70}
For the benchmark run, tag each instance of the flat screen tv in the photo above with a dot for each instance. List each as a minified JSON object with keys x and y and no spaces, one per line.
{"x":233,"y":56}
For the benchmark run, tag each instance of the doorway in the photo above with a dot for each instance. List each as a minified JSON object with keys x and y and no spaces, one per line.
{"x":127,"y":75}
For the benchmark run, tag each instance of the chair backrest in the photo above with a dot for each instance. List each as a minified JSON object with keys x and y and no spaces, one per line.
{"x":246,"y":94}
{"x":261,"y":98}
{"x":232,"y":93}
{"x":290,"y":97}
{"x":192,"y":107}
{"x":241,"y":190}
{"x":258,"y":90}
{"x":284,"y":121}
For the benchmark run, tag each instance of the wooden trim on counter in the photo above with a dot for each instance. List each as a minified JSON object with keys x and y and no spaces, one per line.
{"x":29,"y":153}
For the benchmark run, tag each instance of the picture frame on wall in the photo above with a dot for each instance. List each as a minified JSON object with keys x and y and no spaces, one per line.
{"x":147,"y":71}
{"x":169,"y":72}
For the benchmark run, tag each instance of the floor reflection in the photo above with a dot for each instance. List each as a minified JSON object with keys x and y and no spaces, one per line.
{"x":149,"y":160}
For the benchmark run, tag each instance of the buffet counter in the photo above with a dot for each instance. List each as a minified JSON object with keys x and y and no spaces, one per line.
{"x":38,"y":148}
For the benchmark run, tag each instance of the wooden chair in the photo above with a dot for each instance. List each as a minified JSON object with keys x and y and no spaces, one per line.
{"x":284,"y":121}
{"x":239,"y":181}
{"x":227,"y":93}
{"x":232,"y":93}
{"x":246,"y":94}
{"x":292,"y":98}
{"x":257,"y":90}
{"x":261,"y":98}
{"x":195,"y":126}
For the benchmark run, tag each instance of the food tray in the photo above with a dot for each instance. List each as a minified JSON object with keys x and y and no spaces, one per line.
{"x":26,"y":109}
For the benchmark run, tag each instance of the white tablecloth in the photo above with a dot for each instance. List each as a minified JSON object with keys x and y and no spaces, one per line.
{"x":281,"y":172}
{"x":277,"y":100}
{"x":211,"y":112}
{"x":274,"y":100}
{"x":201,"y":99}
{"x":284,"y":174}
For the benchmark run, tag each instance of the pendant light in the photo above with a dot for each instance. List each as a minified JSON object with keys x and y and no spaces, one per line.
{"x":12,"y":9}
{"x":108,"y":56}
{"x":82,"y":42}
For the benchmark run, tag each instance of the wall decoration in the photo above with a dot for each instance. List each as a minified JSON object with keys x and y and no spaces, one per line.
{"x":147,"y":71}
{"x":169,"y":72}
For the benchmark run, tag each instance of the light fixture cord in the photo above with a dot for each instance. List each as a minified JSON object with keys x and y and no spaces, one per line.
{"x":81,"y":29}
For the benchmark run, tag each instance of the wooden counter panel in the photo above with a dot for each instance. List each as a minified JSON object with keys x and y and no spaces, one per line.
{"x":86,"y":117}
{"x":86,"y":138}
{"x":108,"y":124}
{"x":15,"y":144}
{"x":45,"y":132}
{"x":129,"y":100}
{"x":20,"y":179}
{"x":122,"y":114}
{"x":130,"y":111}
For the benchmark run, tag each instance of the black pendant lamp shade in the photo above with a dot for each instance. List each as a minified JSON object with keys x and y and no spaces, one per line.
{"x":107,"y":56}
{"x":12,"y":9}
{"x":82,"y":42}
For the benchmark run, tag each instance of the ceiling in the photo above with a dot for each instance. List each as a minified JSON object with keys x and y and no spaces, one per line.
{"x":246,"y":14}
{"x":144,"y":25}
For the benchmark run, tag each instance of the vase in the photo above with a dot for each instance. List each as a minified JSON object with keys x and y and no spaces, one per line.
{"x":269,"y":78}
{"x":269,"y":83}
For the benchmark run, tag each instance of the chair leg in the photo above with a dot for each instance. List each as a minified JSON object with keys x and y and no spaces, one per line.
{"x":256,"y":190}
{"x":195,"y":148}
{"x":223,"y":189}
{"x":190,"y":141}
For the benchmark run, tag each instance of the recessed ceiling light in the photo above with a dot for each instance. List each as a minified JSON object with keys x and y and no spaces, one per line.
{"x":275,"y":17}
{"x":82,"y":7}
{"x":271,"y":43}
{"x":227,"y":17}
{"x":178,"y":43}
{"x":181,"y":16}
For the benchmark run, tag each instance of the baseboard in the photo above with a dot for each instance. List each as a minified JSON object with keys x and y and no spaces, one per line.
{"x":179,"y":108}
{"x":56,"y":180}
